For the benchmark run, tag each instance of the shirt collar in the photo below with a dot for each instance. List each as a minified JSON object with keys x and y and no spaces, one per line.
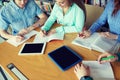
{"x":15,"y":6}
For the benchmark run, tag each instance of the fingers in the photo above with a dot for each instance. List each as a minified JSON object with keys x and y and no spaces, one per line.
{"x":105,"y":55}
{"x":84,"y":34}
{"x":43,"y":33}
{"x":19,"y":38}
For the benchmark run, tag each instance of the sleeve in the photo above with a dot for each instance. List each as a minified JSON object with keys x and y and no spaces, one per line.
{"x":101,"y":21}
{"x":78,"y":23}
{"x":86,"y":78}
{"x":118,"y":54}
{"x":118,"y":38}
{"x":52,"y":18}
{"x":4,"y":23}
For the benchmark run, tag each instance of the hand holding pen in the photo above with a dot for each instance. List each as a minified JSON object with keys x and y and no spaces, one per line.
{"x":19,"y":38}
{"x":48,"y":33}
{"x":43,"y":33}
{"x":107,"y":57}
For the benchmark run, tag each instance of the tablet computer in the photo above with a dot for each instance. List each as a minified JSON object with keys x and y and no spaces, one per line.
{"x":64,"y":57}
{"x":32,"y":48}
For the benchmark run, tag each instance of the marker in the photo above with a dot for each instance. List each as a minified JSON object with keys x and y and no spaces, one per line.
{"x":107,"y":58}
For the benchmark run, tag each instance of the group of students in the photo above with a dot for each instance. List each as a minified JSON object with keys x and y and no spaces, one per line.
{"x":25,"y":15}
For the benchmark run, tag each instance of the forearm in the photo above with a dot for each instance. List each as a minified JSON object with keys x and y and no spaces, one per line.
{"x":118,"y":38}
{"x":48,"y":23}
{"x":38,"y":23}
{"x":5,"y":34}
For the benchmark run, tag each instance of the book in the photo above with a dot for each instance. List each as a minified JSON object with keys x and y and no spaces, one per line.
{"x":32,"y":49}
{"x":27,"y":36}
{"x":100,"y":71}
{"x":41,"y":39}
{"x":98,"y":43}
{"x":4,"y":75}
{"x":64,"y":57}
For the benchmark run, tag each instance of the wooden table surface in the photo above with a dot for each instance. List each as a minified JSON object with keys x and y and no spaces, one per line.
{"x":40,"y":67}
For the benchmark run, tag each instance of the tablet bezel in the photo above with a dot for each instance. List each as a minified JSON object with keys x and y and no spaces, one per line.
{"x":72,"y":64}
{"x":42,"y":51}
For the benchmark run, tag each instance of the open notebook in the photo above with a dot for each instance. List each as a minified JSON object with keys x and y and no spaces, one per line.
{"x":56,"y":36}
{"x":27,"y":36}
{"x":98,"y":43}
{"x":100,"y":71}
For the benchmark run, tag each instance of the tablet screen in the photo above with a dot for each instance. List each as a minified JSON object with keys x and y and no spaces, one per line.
{"x":32,"y":48}
{"x":64,"y":57}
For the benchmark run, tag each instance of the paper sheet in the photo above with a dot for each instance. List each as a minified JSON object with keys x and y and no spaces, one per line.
{"x":27,"y":36}
{"x":100,"y":71}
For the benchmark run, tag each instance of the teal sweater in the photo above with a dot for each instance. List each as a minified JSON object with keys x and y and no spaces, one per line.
{"x":72,"y":21}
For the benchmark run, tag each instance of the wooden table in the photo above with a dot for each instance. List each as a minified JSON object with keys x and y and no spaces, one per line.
{"x":40,"y":67}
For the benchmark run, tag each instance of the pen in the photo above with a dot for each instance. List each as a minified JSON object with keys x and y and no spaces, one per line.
{"x":107,"y":58}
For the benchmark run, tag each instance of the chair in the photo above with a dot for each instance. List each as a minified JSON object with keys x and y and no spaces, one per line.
{"x":92,"y":14}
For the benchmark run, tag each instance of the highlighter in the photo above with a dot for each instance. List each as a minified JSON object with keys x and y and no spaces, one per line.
{"x":107,"y":58}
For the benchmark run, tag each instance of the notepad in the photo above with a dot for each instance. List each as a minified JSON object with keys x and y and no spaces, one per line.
{"x":100,"y":71}
{"x":27,"y":36}
{"x":56,"y":36}
{"x":64,"y":57}
{"x":32,"y":49}
{"x":4,"y":75}
{"x":98,"y":43}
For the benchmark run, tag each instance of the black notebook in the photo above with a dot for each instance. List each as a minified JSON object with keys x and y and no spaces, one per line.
{"x":64,"y":57}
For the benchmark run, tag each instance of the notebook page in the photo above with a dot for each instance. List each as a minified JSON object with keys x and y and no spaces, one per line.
{"x":27,"y":36}
{"x":100,"y":71}
{"x":41,"y":39}
{"x":85,"y":42}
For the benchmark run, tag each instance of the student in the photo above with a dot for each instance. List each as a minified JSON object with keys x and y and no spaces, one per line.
{"x":68,"y":14}
{"x":20,"y":15}
{"x":83,"y":73}
{"x":110,"y":15}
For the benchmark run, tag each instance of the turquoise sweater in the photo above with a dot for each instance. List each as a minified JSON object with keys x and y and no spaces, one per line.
{"x":72,"y":21}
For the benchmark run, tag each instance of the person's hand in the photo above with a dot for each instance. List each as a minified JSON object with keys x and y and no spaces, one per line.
{"x":18,"y":38}
{"x":43,"y":33}
{"x":107,"y":55}
{"x":81,"y":70}
{"x":24,"y":31}
{"x":109,"y":35}
{"x":84,"y":34}
{"x":51,"y":32}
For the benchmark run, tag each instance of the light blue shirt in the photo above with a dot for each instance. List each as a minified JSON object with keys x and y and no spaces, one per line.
{"x":113,"y":21}
{"x":17,"y":18}
{"x":72,"y":21}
